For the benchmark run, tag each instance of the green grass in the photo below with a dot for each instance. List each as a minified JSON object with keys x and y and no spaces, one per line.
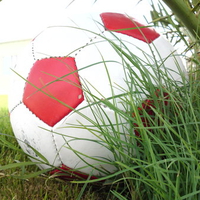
{"x":39,"y":187}
{"x":163,"y":163}
{"x":42,"y":188}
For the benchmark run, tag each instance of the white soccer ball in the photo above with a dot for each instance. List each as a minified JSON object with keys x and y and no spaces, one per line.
{"x":65,"y":79}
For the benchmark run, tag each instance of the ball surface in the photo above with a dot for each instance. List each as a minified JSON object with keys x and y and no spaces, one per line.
{"x":62,"y":80}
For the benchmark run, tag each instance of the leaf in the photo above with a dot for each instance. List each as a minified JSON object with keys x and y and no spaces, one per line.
{"x":19,"y":164}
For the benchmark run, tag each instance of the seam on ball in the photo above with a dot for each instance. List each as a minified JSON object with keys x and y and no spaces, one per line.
{"x":90,"y":41}
{"x":56,"y":148}
{"x":15,"y":107}
{"x":33,"y":51}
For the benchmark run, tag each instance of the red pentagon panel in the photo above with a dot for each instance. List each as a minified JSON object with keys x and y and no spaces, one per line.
{"x":67,"y":173}
{"x":126,"y":25}
{"x":53,"y":89}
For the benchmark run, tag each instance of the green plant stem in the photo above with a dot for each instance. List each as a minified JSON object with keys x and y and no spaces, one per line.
{"x":185,"y":14}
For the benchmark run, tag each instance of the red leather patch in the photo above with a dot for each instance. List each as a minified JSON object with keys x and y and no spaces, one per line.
{"x":67,"y":173}
{"x":53,"y":89}
{"x":126,"y":25}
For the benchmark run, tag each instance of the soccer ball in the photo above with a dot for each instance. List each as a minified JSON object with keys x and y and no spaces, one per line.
{"x":66,"y":81}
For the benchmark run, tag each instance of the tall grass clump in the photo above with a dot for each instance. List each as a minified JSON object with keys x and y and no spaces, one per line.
{"x":159,"y":157}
